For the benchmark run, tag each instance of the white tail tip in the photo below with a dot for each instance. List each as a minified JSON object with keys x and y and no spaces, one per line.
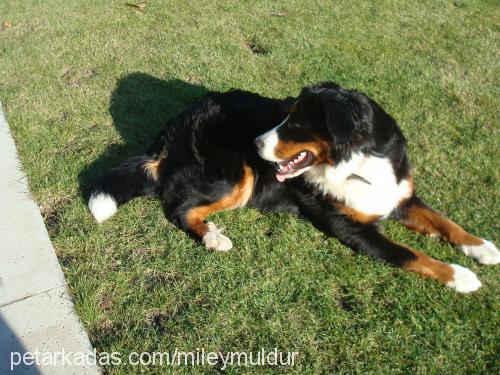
{"x":102,"y":206}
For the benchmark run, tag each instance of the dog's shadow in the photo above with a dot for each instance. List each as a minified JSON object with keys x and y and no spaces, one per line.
{"x":140,"y":106}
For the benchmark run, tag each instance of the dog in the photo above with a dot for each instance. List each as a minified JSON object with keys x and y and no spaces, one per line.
{"x":332,"y":156}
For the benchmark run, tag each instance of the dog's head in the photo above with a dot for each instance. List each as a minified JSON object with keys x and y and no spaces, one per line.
{"x":326,"y":121}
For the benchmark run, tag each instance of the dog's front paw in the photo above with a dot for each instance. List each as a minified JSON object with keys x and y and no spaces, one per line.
{"x":215,"y":240}
{"x":464,"y":280}
{"x":486,"y":253}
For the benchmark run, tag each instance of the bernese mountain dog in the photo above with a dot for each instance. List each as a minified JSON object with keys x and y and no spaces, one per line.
{"x":332,"y":156}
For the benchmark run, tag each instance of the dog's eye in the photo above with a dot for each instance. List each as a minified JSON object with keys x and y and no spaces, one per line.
{"x":293,"y":125}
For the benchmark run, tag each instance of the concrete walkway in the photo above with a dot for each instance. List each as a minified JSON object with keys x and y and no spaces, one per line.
{"x":36,"y":311}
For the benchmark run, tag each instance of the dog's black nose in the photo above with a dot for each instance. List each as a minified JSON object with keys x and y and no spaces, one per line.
{"x":259,"y":143}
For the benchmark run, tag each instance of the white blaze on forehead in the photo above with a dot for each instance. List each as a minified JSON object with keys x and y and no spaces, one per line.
{"x":269,"y":142}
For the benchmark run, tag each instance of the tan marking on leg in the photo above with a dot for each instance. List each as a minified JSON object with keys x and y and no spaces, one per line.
{"x":238,"y":197}
{"x":427,"y":221}
{"x":196,"y":223}
{"x":357,"y":215}
{"x":430,"y":267}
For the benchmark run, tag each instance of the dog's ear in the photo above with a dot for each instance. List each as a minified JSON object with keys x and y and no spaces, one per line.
{"x":348,"y":117}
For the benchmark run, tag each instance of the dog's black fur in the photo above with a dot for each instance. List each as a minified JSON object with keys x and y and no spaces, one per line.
{"x":207,"y":150}
{"x":205,"y":147}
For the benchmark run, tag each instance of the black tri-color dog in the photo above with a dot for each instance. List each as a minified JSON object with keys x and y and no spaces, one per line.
{"x":332,"y":156}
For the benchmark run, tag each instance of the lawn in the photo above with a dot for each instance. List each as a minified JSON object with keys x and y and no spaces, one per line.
{"x":87,"y":83}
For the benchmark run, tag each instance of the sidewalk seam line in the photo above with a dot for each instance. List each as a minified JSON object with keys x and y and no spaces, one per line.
{"x":31,"y":295}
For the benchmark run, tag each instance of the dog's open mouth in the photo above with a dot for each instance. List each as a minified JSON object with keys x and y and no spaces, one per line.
{"x":289,"y":168}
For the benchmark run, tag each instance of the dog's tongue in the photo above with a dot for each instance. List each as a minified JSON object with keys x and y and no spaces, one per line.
{"x":280,"y":178}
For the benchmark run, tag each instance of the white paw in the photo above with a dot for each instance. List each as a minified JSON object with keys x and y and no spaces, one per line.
{"x":102,"y":206}
{"x":214,"y":239}
{"x":464,"y":280}
{"x":486,"y":253}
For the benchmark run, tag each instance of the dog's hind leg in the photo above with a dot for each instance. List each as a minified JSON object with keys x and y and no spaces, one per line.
{"x":191,"y":217}
{"x":417,"y":216}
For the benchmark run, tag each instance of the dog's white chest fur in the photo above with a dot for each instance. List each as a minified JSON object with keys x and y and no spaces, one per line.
{"x":380,"y":197}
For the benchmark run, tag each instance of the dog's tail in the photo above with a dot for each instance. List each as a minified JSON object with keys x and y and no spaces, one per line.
{"x":135,"y":177}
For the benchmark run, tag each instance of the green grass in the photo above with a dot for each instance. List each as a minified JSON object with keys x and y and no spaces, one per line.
{"x":87,"y":83}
